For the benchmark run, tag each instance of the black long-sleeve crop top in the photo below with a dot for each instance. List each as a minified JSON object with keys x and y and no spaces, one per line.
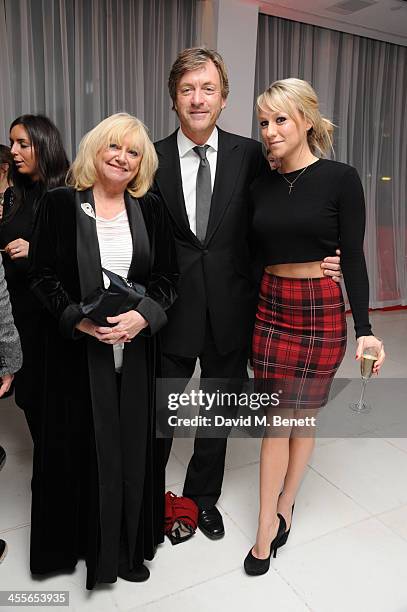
{"x":325,"y":211}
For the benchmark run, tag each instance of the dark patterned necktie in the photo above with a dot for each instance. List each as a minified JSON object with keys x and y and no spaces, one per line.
{"x":203,"y":193}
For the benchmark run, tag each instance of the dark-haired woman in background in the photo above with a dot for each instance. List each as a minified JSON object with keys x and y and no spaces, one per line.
{"x":39,"y":163}
{"x":6,"y":162}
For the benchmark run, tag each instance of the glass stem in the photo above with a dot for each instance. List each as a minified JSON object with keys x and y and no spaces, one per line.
{"x":362,"y":394}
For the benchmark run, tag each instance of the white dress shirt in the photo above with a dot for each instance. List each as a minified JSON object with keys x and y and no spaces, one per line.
{"x":190,"y":161}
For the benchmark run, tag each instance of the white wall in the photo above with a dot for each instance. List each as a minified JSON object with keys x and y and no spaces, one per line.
{"x":236,"y":39}
{"x":230,"y":26}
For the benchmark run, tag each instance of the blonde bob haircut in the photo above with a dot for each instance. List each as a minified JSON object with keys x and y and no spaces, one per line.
{"x":82,"y":173}
{"x":287,"y":95}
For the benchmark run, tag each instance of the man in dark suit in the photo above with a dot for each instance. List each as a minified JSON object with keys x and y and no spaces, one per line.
{"x":204,"y":177}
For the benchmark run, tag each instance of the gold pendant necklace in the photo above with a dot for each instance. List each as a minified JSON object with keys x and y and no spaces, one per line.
{"x":291,"y":183}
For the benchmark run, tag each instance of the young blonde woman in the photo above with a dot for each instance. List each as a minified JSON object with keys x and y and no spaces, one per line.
{"x":303,"y":211}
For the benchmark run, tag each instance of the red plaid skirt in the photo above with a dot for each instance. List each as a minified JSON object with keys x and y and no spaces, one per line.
{"x":299,"y":337}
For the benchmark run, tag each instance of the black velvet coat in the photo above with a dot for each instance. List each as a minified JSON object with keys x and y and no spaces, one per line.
{"x":98,"y":468}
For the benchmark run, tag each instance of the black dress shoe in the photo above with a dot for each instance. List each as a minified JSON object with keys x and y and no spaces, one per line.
{"x":210,"y":523}
{"x":3,"y":550}
{"x":2,"y":457}
{"x":140,"y":573}
{"x":256,"y":567}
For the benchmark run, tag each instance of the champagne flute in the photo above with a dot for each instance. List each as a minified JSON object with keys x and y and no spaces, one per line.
{"x":369,"y":357}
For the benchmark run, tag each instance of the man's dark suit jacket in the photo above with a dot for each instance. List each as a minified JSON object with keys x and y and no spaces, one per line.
{"x":215,"y":276}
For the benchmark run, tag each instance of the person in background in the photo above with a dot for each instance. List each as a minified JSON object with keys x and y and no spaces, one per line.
{"x":303,"y":211}
{"x":98,"y":483}
{"x":6,"y":162}
{"x":39,"y":163}
{"x":10,"y":359}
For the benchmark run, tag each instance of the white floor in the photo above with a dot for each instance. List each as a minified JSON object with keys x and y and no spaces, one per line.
{"x":347,"y":551}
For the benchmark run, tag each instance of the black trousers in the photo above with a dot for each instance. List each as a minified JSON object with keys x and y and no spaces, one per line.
{"x":203,"y":482}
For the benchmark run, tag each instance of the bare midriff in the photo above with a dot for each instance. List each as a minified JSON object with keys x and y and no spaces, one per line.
{"x":309,"y":269}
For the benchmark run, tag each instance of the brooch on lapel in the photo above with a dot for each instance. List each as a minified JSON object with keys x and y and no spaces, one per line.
{"x":88,"y":210}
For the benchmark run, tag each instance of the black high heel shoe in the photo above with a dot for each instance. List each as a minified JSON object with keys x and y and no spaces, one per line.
{"x":257,"y":567}
{"x":285,"y":535}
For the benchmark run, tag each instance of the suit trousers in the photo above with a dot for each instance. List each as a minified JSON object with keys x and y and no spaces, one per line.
{"x":203,"y":482}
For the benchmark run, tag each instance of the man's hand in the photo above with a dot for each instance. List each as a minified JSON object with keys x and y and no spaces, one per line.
{"x":331,"y":266}
{"x":17,"y":248}
{"x":6,"y":381}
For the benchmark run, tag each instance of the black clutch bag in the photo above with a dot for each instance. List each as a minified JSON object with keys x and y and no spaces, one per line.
{"x":121,"y":296}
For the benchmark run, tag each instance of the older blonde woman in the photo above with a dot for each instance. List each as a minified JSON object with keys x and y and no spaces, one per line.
{"x":98,"y":486}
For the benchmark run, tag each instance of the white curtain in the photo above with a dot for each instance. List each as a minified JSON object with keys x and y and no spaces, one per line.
{"x":79,"y":61}
{"x":362,"y":86}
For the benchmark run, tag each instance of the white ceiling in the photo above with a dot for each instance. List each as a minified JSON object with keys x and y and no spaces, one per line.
{"x":381,"y":19}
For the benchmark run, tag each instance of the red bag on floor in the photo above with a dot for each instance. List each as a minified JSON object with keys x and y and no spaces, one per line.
{"x":181,"y":517}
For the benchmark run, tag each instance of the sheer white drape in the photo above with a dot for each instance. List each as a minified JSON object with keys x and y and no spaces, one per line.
{"x":78,"y":61}
{"x":362,"y":86}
